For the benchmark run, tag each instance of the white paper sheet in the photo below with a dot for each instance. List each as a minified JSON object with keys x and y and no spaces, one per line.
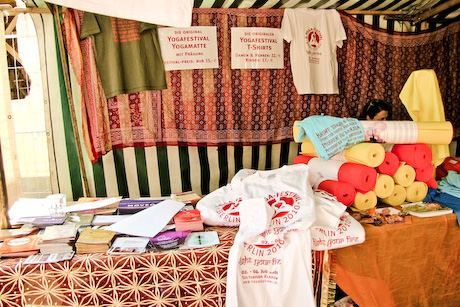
{"x":148,"y":222}
{"x":92,"y":205}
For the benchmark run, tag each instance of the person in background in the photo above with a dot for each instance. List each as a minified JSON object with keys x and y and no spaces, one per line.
{"x":376,"y":109}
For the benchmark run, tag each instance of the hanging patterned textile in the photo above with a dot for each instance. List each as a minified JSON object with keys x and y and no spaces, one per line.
{"x":221,"y":106}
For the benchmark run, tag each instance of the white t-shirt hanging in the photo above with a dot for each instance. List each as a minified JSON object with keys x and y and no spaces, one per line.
{"x":314,"y":36}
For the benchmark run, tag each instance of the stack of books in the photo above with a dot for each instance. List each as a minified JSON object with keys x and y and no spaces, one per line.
{"x":58,"y":239}
{"x":94,"y":241}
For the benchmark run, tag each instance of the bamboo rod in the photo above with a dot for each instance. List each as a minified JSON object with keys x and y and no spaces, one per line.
{"x":54,"y":9}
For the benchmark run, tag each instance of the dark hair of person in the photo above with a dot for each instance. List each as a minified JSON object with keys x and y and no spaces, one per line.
{"x":373,"y":107}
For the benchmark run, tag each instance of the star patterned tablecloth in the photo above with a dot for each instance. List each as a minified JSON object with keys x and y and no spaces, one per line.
{"x":171,"y":278}
{"x":193,"y":277}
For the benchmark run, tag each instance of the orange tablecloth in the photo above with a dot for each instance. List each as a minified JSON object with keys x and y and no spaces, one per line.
{"x":403,"y":265}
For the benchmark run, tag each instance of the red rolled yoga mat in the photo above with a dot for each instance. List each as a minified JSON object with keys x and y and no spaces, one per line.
{"x":432,"y":183}
{"x":301,"y":159}
{"x":415,"y":155}
{"x":389,"y":165}
{"x":424,"y":174}
{"x":344,"y":192}
{"x":361,"y":177}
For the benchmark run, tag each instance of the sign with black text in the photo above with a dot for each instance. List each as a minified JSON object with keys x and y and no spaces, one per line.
{"x":189,"y":48}
{"x":257,"y":48}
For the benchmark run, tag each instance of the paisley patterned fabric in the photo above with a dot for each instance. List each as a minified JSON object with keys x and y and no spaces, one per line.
{"x":224,"y":106}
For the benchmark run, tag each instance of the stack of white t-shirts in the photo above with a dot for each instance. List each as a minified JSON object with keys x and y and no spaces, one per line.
{"x":270,"y":260}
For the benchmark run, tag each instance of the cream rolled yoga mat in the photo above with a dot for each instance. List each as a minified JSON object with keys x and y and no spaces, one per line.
{"x":405,"y":175}
{"x":416,"y":191}
{"x":370,"y":154}
{"x":401,"y":132}
{"x":384,"y":186}
{"x":364,"y":201}
{"x":396,"y":198}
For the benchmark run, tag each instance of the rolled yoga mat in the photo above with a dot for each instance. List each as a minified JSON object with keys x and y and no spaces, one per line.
{"x":416,"y":191}
{"x":344,"y":192}
{"x":370,"y":154}
{"x":415,"y":155}
{"x":407,"y":132}
{"x":365,"y":201}
{"x":405,"y":175}
{"x":424,"y":174}
{"x":384,"y":186}
{"x":396,"y":198}
{"x":361,"y":177}
{"x":390,"y":164}
{"x":435,"y":133}
{"x":401,"y":132}
{"x":432,"y":183}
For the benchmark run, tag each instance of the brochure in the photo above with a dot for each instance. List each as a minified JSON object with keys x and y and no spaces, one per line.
{"x":48,"y":258}
{"x":128,"y":245}
{"x":201,"y":239}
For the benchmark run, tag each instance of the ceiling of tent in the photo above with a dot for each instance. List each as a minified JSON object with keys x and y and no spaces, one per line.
{"x":432,"y":11}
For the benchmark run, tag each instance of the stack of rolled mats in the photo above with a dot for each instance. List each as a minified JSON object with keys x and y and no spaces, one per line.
{"x":366,"y":173}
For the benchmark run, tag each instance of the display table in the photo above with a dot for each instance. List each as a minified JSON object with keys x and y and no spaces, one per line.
{"x":403,"y":265}
{"x":172,"y":278}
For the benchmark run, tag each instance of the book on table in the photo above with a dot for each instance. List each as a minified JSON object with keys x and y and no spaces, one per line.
{"x":426,"y":209}
{"x":17,"y":232}
{"x":94,"y":241}
{"x":58,"y":239}
{"x":20,"y":247}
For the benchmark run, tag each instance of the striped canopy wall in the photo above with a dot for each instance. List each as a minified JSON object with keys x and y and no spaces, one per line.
{"x":160,"y":171}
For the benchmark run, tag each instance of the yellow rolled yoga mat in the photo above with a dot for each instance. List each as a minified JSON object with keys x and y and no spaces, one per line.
{"x":396,"y":198}
{"x":370,"y":154}
{"x":435,"y":133}
{"x":384,"y":186}
{"x":405,"y":175}
{"x":295,"y":131}
{"x":416,"y":191}
{"x":364,"y":201}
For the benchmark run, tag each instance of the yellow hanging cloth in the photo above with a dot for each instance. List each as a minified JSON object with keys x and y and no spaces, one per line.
{"x":422,"y":98}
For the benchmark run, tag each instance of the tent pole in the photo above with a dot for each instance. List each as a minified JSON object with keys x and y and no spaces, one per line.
{"x":55,"y":11}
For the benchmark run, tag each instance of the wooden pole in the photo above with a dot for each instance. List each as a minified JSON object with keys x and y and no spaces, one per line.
{"x":65,"y":66}
{"x":4,"y":220}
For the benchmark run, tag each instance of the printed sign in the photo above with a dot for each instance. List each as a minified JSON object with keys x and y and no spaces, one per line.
{"x":257,"y":48}
{"x":189,"y":48}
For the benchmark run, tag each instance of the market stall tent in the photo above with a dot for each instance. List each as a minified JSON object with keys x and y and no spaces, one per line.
{"x":162,"y":170}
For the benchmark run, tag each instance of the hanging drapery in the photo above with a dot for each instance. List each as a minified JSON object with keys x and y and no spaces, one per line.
{"x":204,"y":107}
